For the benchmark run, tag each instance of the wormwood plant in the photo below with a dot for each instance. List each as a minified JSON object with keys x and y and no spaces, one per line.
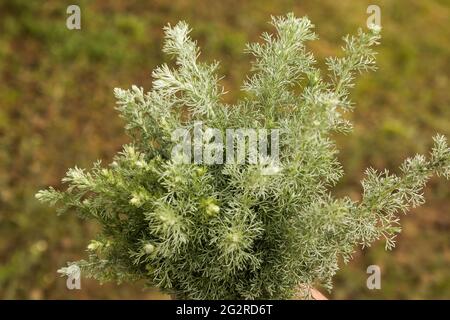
{"x":228,"y":231}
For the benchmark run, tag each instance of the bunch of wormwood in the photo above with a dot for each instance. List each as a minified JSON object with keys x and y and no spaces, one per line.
{"x":228,"y":231}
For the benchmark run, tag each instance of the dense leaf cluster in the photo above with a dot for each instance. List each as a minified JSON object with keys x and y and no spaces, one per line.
{"x":229,"y":231}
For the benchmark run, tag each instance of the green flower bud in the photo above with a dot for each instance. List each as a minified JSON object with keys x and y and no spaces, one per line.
{"x":210,"y":206}
{"x":212,"y":209}
{"x":149,"y":248}
{"x":94,"y":245}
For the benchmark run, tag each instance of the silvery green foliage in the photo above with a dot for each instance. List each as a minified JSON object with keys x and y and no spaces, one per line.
{"x":227,"y":231}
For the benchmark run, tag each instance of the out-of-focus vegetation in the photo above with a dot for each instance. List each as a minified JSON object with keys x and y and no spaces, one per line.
{"x":56,"y":110}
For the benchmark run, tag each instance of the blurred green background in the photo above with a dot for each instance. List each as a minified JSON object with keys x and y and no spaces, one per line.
{"x":56,"y":111}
